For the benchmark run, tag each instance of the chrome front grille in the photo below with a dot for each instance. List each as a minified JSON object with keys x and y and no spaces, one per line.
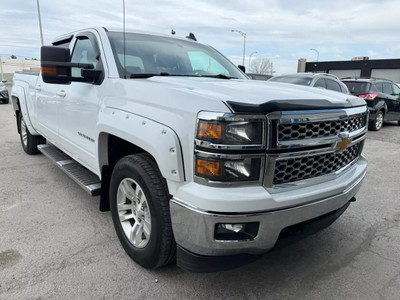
{"x":304,"y":145}
{"x":300,"y":168}
{"x":311,"y":130}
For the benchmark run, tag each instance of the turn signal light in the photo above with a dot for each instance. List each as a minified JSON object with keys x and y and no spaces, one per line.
{"x":49,"y":70}
{"x":209,"y":168}
{"x":210,"y":131}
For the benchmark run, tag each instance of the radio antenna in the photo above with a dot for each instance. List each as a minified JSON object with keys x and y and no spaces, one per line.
{"x":123,"y":8}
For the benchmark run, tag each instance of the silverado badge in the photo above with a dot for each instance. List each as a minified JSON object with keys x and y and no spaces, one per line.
{"x":345,"y":142}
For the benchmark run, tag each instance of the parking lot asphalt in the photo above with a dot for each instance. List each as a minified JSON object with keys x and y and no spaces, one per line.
{"x":55,"y":243}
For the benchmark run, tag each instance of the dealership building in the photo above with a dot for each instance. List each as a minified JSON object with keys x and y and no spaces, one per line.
{"x":357,"y":67}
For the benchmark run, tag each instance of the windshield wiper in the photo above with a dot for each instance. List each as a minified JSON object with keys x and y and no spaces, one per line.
{"x":222,"y":76}
{"x":148,"y":75}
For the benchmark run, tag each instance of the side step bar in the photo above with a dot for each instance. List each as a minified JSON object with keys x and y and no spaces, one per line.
{"x":86,"y":179}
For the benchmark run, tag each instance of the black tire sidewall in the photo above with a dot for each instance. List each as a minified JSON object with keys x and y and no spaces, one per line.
{"x":147,"y":256}
{"x":25,"y":147}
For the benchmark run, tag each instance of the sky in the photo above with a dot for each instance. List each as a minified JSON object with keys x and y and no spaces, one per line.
{"x":282,"y":31}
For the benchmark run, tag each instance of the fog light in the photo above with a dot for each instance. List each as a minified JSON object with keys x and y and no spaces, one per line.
{"x":236,"y":232}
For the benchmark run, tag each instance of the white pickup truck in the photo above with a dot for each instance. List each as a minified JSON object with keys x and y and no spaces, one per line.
{"x":195,"y":161}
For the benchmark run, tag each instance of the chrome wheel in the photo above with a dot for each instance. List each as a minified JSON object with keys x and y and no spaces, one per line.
{"x":134,"y":212}
{"x":24,"y":134}
{"x":379,"y":121}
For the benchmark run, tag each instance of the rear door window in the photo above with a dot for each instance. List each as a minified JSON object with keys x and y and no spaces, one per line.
{"x":332,"y":85}
{"x":320,"y":83}
{"x":387,"y":88}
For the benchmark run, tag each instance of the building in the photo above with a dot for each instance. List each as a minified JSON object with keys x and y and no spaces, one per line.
{"x":357,"y":67}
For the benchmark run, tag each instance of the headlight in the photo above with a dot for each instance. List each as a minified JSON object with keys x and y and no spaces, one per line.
{"x":217,"y":130}
{"x":225,"y":170}
{"x":229,"y":148}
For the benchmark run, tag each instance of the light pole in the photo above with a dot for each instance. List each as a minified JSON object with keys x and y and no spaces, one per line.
{"x":250,"y":58}
{"x":312,"y":49}
{"x":243,"y":34}
{"x":40,"y":22}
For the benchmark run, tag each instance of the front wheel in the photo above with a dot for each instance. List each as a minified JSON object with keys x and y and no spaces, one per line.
{"x":139,"y":203}
{"x":376,"y":124}
{"x":29,"y":142}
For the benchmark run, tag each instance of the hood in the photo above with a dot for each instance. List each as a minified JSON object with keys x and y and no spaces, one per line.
{"x":253,"y":95}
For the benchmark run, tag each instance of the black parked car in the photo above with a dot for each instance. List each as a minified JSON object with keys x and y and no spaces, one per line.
{"x":318,"y":80}
{"x":4,"y":98}
{"x":382,"y":97}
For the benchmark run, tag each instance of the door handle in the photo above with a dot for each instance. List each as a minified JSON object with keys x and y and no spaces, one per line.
{"x":61,"y":93}
{"x":38,"y":88}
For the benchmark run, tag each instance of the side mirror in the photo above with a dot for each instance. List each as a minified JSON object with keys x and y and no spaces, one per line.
{"x":56,"y":67}
{"x":54,"y":64}
{"x":242,"y":68}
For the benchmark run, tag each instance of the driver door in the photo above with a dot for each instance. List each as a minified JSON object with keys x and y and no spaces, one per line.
{"x":79,"y":106}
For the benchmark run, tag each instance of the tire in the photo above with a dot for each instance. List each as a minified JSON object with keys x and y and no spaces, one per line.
{"x":6,"y":101}
{"x":29,"y":142}
{"x":377,"y":123}
{"x":138,"y":192}
{"x":398,"y":122}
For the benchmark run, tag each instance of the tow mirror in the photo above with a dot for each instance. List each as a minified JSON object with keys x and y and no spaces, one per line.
{"x":242,"y":68}
{"x":55,"y":64}
{"x":92,"y":75}
{"x":56,"y":67}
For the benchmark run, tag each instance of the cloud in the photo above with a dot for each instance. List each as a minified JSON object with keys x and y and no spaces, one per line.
{"x":284,"y":30}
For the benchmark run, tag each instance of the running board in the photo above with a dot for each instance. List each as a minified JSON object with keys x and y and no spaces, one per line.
{"x":85,"y":178}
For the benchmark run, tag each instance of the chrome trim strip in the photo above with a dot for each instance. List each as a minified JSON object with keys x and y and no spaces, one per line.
{"x":207,"y":144}
{"x":318,"y":141}
{"x":292,"y":117}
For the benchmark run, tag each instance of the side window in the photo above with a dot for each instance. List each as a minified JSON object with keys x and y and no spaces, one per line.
{"x":320,"y":83}
{"x":202,"y":62}
{"x":387,"y":88}
{"x":332,"y":85}
{"x":379,"y":87}
{"x":344,"y":89}
{"x":396,"y":90}
{"x":83,"y":53}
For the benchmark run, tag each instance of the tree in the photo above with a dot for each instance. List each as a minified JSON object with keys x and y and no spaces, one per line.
{"x":13,"y":56}
{"x":262,"y":66}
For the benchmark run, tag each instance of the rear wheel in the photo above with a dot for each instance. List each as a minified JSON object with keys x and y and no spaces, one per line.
{"x":5,"y":101}
{"x":376,"y":124}
{"x":139,"y":203}
{"x":29,"y":142}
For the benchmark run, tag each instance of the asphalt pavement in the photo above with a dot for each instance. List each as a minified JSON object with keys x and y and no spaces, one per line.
{"x":55,"y":243}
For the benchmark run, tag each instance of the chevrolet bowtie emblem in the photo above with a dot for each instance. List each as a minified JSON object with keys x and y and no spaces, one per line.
{"x":345,"y":142}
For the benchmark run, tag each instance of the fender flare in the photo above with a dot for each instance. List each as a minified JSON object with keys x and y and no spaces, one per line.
{"x":157,"y":139}
{"x":18,"y":98}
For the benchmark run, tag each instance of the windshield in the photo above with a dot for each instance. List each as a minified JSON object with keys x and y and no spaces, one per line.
{"x":155,"y":55}
{"x":358,"y":87}
{"x":293,"y":79}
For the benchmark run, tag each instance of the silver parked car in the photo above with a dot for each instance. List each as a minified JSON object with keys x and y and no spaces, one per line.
{"x":318,"y":80}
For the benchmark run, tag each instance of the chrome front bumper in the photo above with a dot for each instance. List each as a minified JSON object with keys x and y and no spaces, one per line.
{"x":194,"y":228}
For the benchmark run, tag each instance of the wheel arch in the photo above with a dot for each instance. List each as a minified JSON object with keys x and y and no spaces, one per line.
{"x":122,"y":133}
